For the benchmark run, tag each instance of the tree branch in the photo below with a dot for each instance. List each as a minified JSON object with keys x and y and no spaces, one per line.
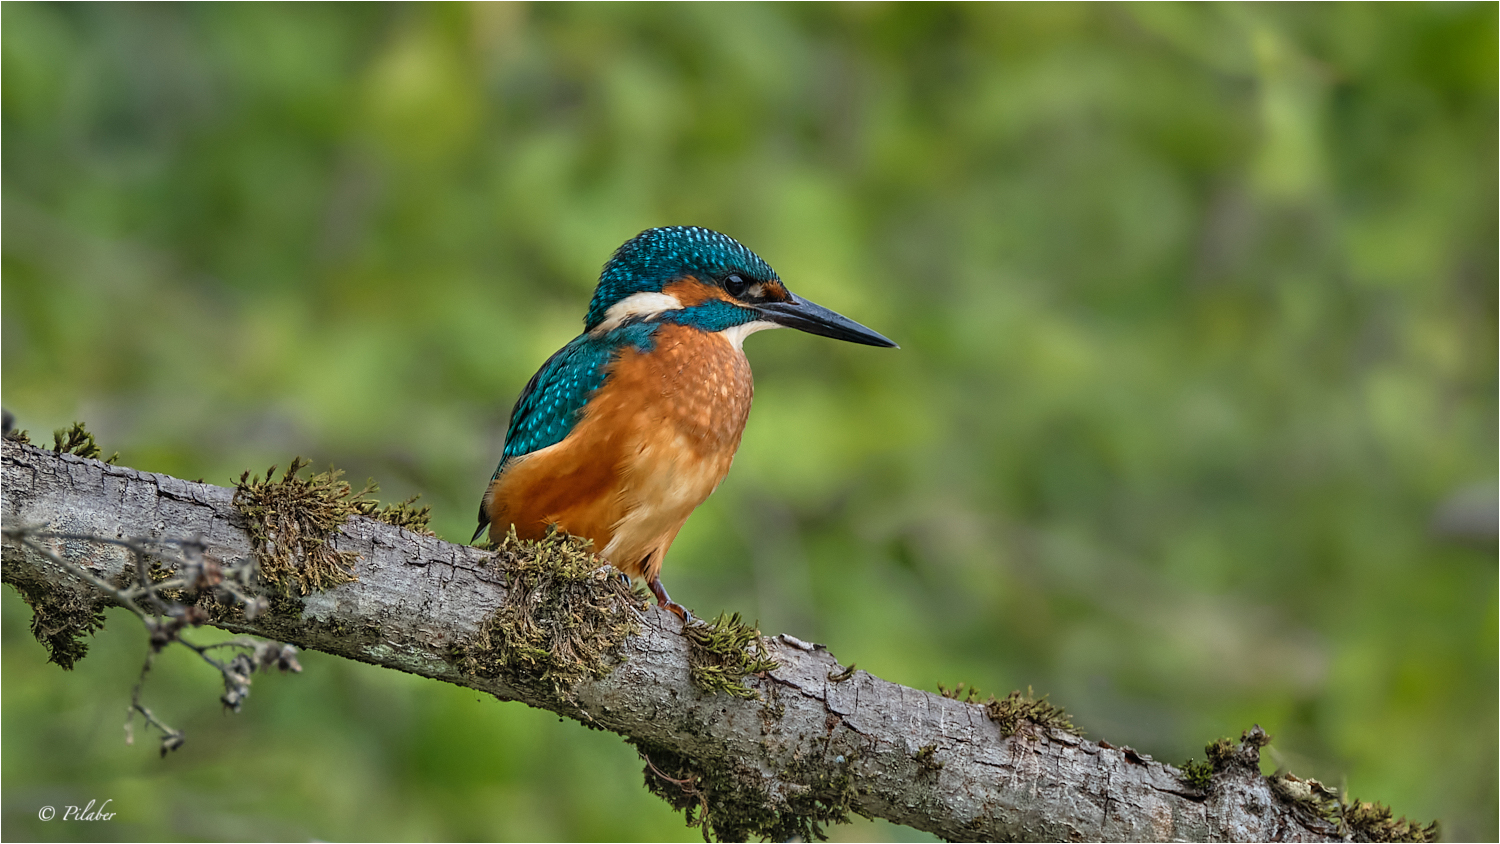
{"x":817,"y":738}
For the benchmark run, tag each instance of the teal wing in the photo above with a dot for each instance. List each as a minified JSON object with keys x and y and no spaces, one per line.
{"x":554,"y":398}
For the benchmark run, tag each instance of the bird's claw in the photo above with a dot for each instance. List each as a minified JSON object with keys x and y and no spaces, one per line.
{"x":681,"y":611}
{"x":665,"y":601}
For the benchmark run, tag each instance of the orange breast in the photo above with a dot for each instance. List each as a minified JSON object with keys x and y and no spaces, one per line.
{"x":651,"y":445}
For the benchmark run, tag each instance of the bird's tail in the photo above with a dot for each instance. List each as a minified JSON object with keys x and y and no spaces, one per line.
{"x":484,"y":523}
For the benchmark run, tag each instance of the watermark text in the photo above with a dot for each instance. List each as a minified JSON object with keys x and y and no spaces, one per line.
{"x":79,"y":813}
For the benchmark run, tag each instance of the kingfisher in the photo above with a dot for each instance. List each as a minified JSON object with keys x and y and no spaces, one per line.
{"x":624,"y":431}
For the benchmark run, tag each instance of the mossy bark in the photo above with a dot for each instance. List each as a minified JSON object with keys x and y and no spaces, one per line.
{"x":813,"y":743}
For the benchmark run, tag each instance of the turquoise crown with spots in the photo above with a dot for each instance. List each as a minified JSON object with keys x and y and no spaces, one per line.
{"x":654,"y":258}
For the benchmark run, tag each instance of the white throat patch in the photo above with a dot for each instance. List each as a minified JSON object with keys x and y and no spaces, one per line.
{"x":636,"y":305}
{"x":736,"y":334}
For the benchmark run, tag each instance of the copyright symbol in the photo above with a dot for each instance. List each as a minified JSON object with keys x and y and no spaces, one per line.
{"x":46,"y":813}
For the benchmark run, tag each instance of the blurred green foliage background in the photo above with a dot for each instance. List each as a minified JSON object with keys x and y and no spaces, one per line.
{"x":1197,"y":307}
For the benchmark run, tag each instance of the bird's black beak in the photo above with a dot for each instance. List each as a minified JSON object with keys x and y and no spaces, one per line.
{"x":816,"y":319}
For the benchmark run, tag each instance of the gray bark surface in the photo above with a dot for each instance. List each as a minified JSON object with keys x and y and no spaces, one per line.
{"x":418,"y":596}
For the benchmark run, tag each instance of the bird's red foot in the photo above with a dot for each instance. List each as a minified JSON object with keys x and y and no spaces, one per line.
{"x":665,"y":601}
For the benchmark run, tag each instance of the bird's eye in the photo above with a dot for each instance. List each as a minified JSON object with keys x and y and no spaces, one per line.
{"x":735,"y":286}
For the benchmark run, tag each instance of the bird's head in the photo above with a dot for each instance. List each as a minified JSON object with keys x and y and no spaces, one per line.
{"x":698,"y":277}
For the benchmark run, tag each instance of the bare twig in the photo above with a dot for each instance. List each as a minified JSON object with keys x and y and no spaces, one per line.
{"x":188,"y":570}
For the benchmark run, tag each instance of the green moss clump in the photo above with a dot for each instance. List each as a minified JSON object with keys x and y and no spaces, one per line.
{"x":926,"y":759}
{"x":826,"y":801}
{"x":565,"y":614}
{"x":1354,"y":821}
{"x":282,"y":605}
{"x":736,"y":807}
{"x":1015,"y":708}
{"x":75,"y":440}
{"x":1220,"y":752}
{"x":723,"y":653}
{"x":1309,"y":796}
{"x":965,"y":693}
{"x":290,"y":521}
{"x":1197,"y":774}
{"x":60,"y":620}
{"x":401,"y":514}
{"x":1010,"y":711}
{"x":1373,"y":822}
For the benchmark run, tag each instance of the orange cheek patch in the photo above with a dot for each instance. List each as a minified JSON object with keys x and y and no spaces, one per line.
{"x":690,"y":291}
{"x":776,"y":292}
